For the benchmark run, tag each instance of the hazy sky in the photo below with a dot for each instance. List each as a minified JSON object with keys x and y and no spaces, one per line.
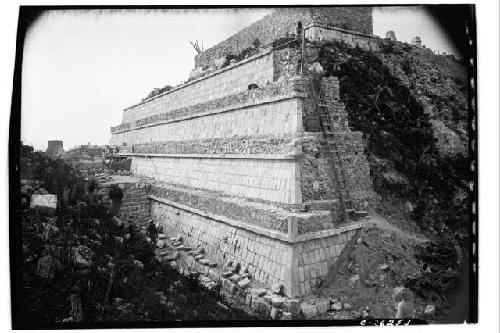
{"x":81,"y":68}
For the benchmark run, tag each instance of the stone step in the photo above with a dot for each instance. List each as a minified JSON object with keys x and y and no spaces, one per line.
{"x":361,"y":213}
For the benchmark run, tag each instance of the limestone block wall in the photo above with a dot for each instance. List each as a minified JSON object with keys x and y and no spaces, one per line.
{"x":353,"y":39}
{"x":265,"y":258}
{"x":265,"y":179}
{"x":229,"y":80}
{"x":295,"y":263}
{"x":316,"y":257}
{"x":261,"y":95}
{"x":260,"y":215}
{"x":275,"y":118}
{"x":135,"y":200}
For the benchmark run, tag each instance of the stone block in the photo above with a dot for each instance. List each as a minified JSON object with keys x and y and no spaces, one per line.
{"x":337,"y":306}
{"x":248,"y":300}
{"x":45,"y":202}
{"x":244,"y":283}
{"x":275,"y":313}
{"x":227,"y":274}
{"x":308,"y":310}
{"x":255,"y":304}
{"x":292,"y":306}
{"x":267,"y":298}
{"x":322,"y":306}
{"x":277,"y":301}
{"x":261,"y":292}
{"x":264,"y":308}
{"x":235,"y":278}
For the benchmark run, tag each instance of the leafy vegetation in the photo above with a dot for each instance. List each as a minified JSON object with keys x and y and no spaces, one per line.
{"x":85,"y":266}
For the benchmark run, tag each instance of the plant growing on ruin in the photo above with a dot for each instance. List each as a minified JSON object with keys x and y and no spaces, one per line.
{"x":197,"y":47}
{"x":93,"y":185}
{"x":256,"y":43}
{"x":116,"y":196}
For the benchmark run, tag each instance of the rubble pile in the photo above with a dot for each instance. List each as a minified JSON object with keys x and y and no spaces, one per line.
{"x":383,"y":273}
{"x":374,"y":263}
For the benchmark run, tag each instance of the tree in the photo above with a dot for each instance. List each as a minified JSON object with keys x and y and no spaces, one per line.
{"x":196,"y":46}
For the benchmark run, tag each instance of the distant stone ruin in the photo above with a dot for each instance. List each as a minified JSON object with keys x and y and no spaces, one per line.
{"x":391,"y":35}
{"x":54,"y":147}
{"x":416,"y":41}
{"x":251,"y":161}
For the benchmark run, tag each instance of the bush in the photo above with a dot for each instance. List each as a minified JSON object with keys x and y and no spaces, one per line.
{"x":115,"y":193}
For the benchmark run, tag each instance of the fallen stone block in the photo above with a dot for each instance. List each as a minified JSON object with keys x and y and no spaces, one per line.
{"x":261,"y":292}
{"x":204,"y":262}
{"x":337,"y":306}
{"x":212,"y":264}
{"x":244,"y":283}
{"x":430,"y":310}
{"x":322,"y":306}
{"x":229,"y":286}
{"x":308,"y":310}
{"x":235,"y":278}
{"x":227,"y":274}
{"x":275,"y":314}
{"x":264,"y":308}
{"x":205,"y":279}
{"x":292,"y":306}
{"x":211,"y":285}
{"x":213,"y":275}
{"x":277,"y":301}
{"x":44,"y":202}
{"x":255,"y":303}
{"x":248,"y":300}
{"x":198,"y":257}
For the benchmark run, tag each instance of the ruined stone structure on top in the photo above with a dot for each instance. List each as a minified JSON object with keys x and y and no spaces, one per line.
{"x":55,"y":147}
{"x":252,"y":162}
